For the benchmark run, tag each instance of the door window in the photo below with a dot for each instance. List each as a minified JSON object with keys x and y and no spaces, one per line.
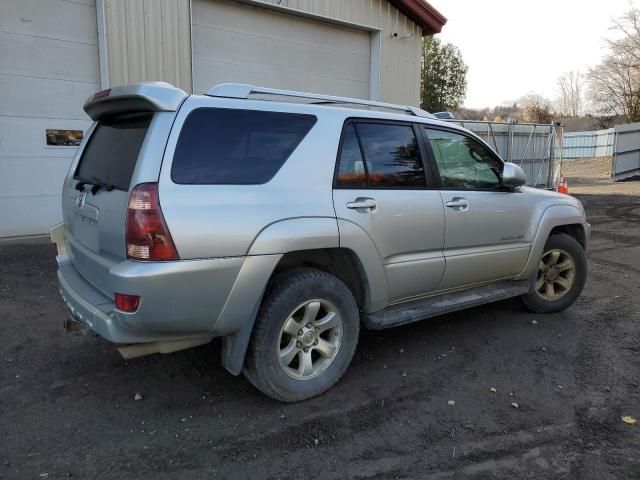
{"x":380,"y":155}
{"x":463,"y":163}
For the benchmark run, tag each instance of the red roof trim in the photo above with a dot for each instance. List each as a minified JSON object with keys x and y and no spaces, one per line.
{"x":421,"y":13}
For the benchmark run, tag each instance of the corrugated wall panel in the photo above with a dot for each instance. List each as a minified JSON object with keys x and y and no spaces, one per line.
{"x":626,"y":158}
{"x":598,"y":143}
{"x":149,"y":40}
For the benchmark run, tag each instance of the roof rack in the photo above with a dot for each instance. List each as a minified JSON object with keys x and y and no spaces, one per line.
{"x":240,"y":90}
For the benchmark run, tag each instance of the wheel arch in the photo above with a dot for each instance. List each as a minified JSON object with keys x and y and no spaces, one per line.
{"x":308,"y":241}
{"x":343,"y":263}
{"x":575,"y":230}
{"x":340,"y":262}
{"x":557,"y":218}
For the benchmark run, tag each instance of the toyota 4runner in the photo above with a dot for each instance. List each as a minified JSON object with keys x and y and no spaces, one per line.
{"x":284,"y":222}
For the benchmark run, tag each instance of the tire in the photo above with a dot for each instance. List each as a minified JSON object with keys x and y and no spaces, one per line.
{"x":567,"y":280}
{"x":277,"y":363}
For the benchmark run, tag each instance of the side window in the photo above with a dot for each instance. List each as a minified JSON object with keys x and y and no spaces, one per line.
{"x":391,"y":157}
{"x":351,"y":169}
{"x":463,"y":163}
{"x":236,"y":147}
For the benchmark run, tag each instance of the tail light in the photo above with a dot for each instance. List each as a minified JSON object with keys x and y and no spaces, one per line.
{"x":147,"y":235}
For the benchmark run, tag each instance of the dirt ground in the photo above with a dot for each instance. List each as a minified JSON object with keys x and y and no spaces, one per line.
{"x":67,"y":407}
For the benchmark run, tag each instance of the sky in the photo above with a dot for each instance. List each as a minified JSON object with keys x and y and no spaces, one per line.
{"x":516,"y":47}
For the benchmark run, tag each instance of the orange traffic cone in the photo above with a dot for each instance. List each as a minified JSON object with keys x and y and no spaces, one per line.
{"x":563,"y":185}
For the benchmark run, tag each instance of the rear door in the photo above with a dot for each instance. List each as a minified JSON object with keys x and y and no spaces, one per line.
{"x":381,"y":187}
{"x":488,"y":235}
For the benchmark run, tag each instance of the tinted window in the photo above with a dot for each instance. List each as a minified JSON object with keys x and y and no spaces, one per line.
{"x":112,"y":151}
{"x":241,"y":147}
{"x":351,"y":168}
{"x":391,"y":156}
{"x":464,"y":163}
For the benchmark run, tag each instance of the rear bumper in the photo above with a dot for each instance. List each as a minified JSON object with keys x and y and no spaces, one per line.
{"x":178,"y":300}
{"x":88,"y":305}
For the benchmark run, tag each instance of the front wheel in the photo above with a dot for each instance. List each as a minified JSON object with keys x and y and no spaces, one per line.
{"x":560,"y":276}
{"x":305,"y":335}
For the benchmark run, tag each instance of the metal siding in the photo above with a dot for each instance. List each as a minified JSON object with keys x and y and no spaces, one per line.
{"x":149,"y":40}
{"x":400,"y":57}
{"x":150,"y":43}
{"x":626,"y":158}
{"x":48,"y":67}
{"x":598,"y":143}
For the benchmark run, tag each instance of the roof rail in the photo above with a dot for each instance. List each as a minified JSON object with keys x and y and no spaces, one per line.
{"x":240,"y":90}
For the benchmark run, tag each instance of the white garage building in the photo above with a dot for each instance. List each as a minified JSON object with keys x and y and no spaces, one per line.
{"x":55,"y":53}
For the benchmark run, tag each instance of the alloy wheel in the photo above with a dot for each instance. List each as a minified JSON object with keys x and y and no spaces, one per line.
{"x":556,"y":274}
{"x":310,"y":339}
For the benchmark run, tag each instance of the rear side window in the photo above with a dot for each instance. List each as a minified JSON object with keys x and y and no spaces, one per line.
{"x":112,"y":151}
{"x":236,"y":147}
{"x":389,"y":157}
{"x":351,"y":169}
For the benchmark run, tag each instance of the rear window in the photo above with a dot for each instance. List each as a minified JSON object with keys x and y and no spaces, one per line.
{"x":112,"y":151}
{"x":236,"y":147}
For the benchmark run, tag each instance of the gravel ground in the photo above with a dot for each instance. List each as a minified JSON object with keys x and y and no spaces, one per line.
{"x":67,"y":407}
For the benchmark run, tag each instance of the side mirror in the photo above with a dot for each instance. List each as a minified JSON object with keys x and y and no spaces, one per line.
{"x":513,"y":176}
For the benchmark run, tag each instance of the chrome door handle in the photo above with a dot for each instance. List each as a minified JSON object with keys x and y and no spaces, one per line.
{"x":362,"y":203}
{"x":459,"y":203}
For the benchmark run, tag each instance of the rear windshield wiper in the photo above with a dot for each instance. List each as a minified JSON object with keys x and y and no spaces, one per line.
{"x":97,"y":185}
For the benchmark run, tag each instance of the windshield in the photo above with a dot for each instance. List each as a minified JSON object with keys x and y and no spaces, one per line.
{"x":112,"y":151}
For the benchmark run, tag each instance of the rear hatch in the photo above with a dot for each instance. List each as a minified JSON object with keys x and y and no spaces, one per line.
{"x":124,"y":148}
{"x":96,"y":205}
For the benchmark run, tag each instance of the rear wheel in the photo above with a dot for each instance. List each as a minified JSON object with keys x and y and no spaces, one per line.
{"x":305,"y":335}
{"x":560,"y":276}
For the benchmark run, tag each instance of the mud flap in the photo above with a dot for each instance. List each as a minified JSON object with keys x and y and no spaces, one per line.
{"x":234,"y":346}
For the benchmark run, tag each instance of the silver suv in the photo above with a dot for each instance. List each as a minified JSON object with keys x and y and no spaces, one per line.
{"x":285,"y":221}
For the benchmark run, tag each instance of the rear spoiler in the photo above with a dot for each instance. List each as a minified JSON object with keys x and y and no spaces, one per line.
{"x":137,"y":97}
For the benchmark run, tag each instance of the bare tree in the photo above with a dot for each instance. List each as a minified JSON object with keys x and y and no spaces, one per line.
{"x":570,"y":94}
{"x":614,"y":88}
{"x":614,"y":84}
{"x":628,"y":28}
{"x":536,"y":109}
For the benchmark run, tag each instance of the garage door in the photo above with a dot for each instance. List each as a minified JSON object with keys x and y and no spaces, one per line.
{"x":48,"y":67}
{"x":234,"y":42}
